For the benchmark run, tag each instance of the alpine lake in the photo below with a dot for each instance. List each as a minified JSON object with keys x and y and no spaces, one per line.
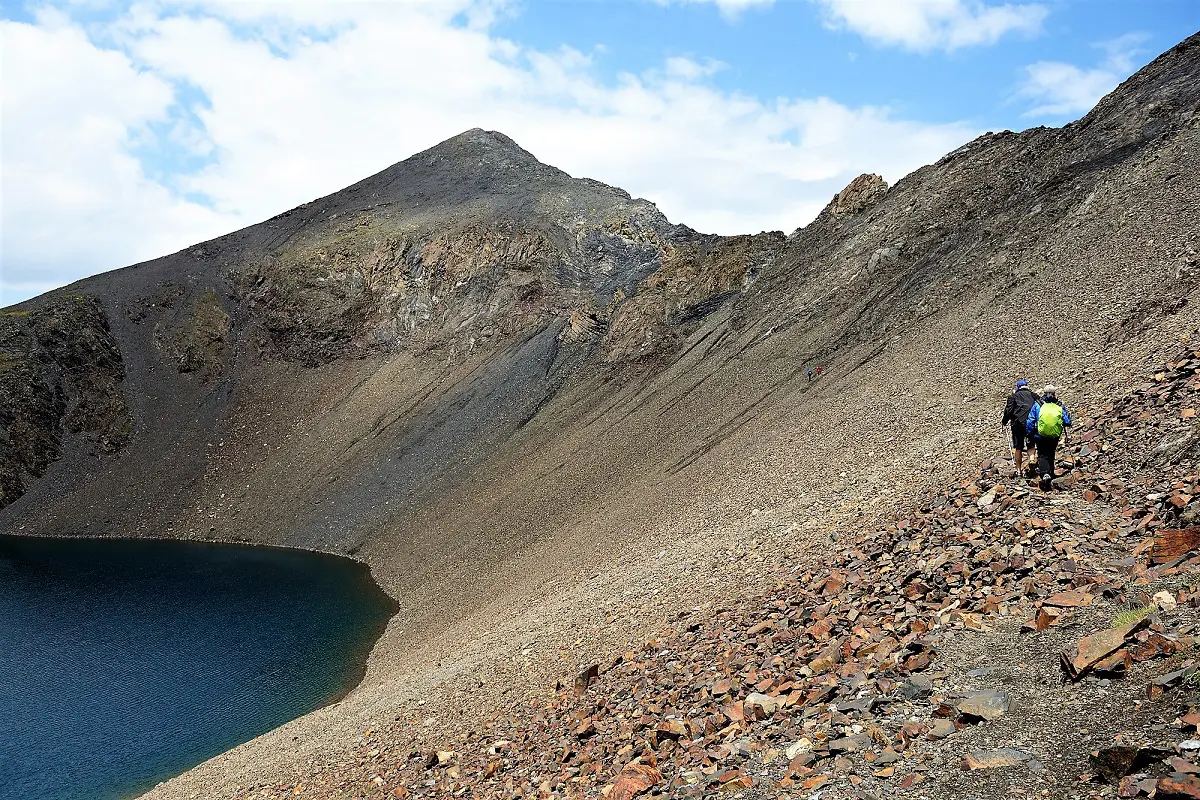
{"x":125,"y":662}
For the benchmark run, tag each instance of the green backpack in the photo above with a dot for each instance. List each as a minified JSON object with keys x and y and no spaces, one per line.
{"x":1049,"y":421}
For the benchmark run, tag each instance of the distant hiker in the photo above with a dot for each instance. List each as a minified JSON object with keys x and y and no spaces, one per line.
{"x":1048,"y":420}
{"x":810,"y":373}
{"x":1016,"y":412}
{"x":820,"y":370}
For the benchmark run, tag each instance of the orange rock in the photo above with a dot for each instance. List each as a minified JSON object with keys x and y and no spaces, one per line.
{"x":1178,"y":787}
{"x":1091,"y":649}
{"x":1171,"y":544}
{"x":761,"y":627}
{"x":735,"y":779}
{"x":993,"y":759}
{"x":1118,"y":663}
{"x":829,"y":658}
{"x":834,"y":584}
{"x":671,"y":729}
{"x":1071,"y":599}
{"x":634,"y":779}
{"x":1042,"y":620}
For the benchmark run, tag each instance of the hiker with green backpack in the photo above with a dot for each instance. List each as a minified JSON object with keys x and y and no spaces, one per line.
{"x":1048,"y":420}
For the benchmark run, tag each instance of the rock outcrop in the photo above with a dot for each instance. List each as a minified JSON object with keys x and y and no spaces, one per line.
{"x":456,"y":247}
{"x":859,"y":195}
{"x":695,"y":279}
{"x":60,"y":376}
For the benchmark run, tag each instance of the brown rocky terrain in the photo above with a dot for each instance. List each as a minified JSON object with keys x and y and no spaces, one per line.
{"x":559,"y":427}
{"x":994,"y":640}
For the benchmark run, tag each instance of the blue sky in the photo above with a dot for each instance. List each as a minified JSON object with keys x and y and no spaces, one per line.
{"x":783,"y":49}
{"x":133,"y":130}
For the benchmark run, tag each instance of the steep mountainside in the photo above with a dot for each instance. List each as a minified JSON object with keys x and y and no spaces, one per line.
{"x":548,"y":417}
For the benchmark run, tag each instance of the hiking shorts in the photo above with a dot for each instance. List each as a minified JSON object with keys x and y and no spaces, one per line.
{"x":1020,"y":440}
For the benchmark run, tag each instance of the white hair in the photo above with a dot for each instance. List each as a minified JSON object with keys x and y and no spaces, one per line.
{"x":1050,"y":390}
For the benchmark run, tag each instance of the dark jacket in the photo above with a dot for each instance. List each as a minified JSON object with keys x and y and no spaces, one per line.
{"x":1020,"y":402}
{"x":1032,"y":419}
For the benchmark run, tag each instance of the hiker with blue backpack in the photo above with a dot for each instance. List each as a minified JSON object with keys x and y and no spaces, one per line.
{"x":1048,"y":420}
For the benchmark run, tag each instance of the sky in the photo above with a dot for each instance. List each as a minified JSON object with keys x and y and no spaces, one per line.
{"x":132,"y":130}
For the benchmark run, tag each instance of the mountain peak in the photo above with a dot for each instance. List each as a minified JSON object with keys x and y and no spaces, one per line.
{"x":479,"y":147}
{"x":480,"y":173}
{"x":484,"y":138}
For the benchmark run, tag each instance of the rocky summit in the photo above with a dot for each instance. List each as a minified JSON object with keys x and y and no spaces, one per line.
{"x":638,"y":551}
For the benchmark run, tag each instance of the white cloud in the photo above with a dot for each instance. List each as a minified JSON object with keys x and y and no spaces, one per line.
{"x":1060,"y":89}
{"x":75,"y":197}
{"x":689,"y":70}
{"x":925,"y":25}
{"x":276,"y":105}
{"x":731,"y":9}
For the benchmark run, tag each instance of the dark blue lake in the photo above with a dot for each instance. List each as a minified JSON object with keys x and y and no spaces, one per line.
{"x":123,"y":663}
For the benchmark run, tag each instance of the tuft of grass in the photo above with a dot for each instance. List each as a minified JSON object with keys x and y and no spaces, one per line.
{"x":1131,"y":615}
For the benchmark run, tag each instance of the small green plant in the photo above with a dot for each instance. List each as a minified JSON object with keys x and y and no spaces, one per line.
{"x":1131,"y":615}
